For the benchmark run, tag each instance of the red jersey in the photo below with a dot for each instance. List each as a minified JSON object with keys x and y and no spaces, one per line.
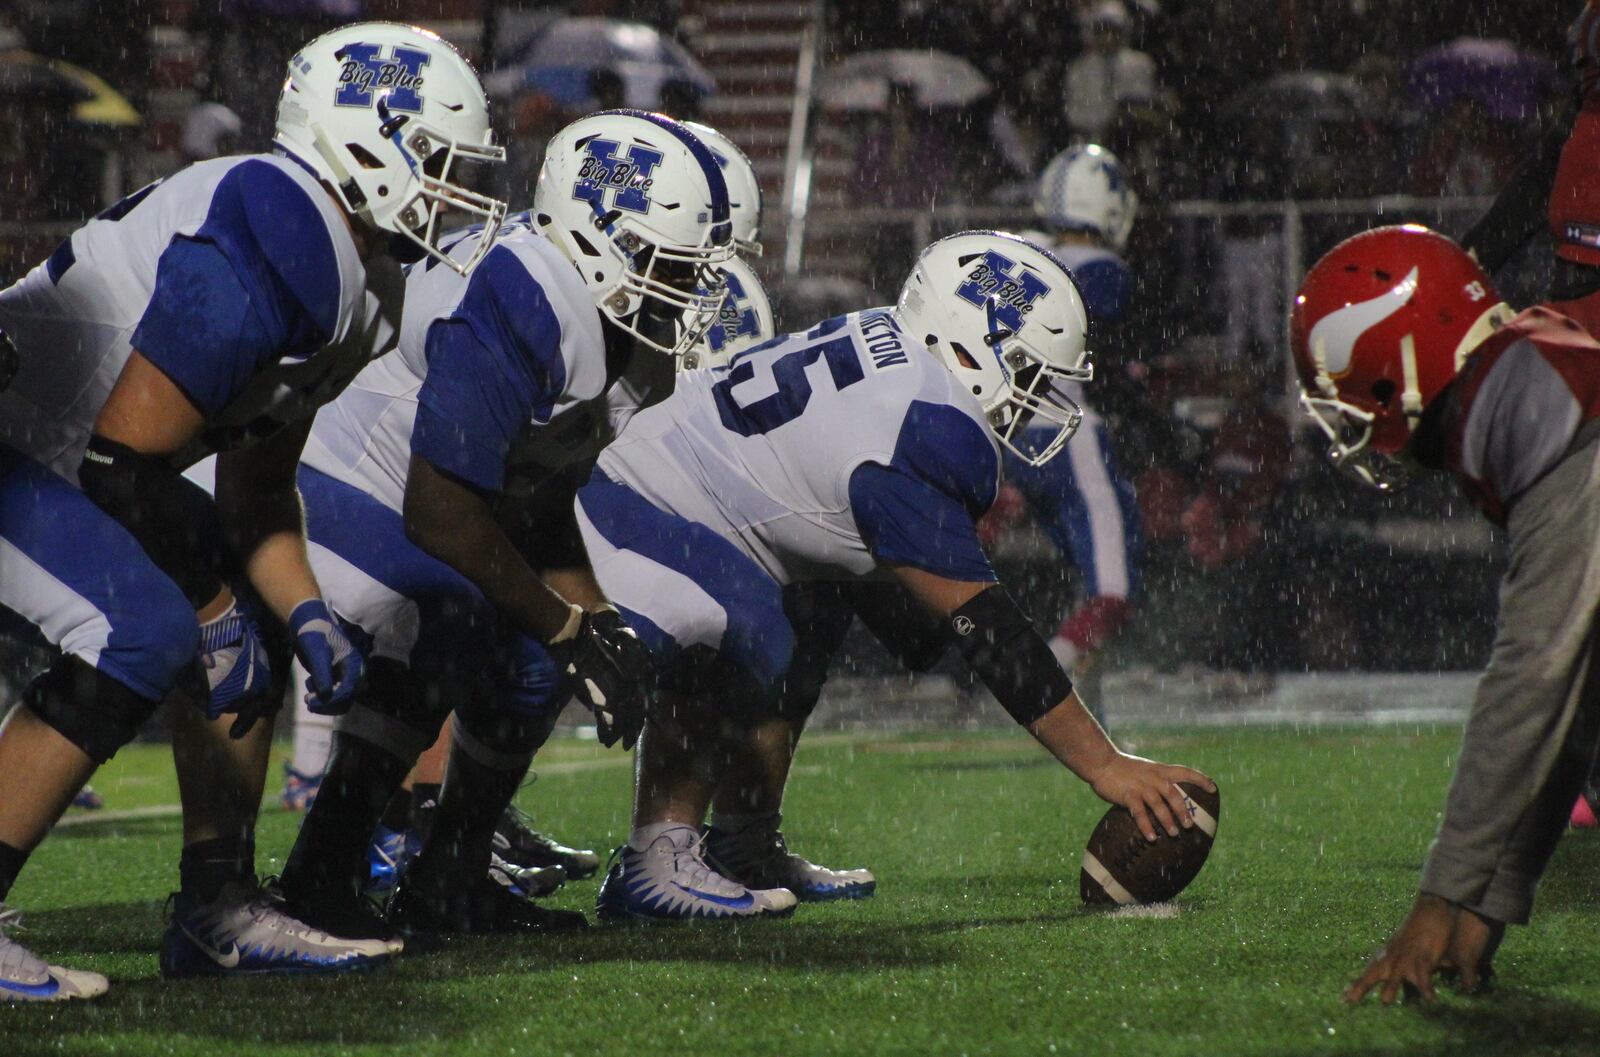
{"x":1522,"y":397}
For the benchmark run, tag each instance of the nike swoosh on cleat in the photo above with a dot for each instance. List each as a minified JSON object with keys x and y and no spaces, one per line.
{"x":228,"y":959}
{"x":744,"y":902}
{"x":48,"y":989}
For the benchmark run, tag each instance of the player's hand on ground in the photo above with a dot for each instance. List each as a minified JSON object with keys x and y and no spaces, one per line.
{"x":1417,"y":950}
{"x":1149,"y":790}
{"x":1468,"y":961}
{"x":238,"y":675}
{"x":333,"y":666}
{"x":612,"y":673}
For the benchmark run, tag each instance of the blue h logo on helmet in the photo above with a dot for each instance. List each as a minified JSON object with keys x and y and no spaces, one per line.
{"x":736,"y":318}
{"x":628,"y":177}
{"x":365,"y":73}
{"x":1012,"y":295}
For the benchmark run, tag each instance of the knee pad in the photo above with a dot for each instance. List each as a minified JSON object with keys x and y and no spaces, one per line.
{"x":395,"y":711}
{"x":710,"y":693}
{"x":87,"y":707}
{"x":820,"y":614}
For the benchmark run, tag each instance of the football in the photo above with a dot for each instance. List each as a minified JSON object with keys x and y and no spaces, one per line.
{"x":1121,"y":868}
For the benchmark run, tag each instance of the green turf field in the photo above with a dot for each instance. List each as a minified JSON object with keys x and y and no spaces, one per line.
{"x":975,"y":944}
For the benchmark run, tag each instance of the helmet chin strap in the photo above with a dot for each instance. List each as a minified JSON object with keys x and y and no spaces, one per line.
{"x":1493,"y":318}
{"x":1411,"y":395}
{"x":997,"y":334}
{"x":349,"y":191}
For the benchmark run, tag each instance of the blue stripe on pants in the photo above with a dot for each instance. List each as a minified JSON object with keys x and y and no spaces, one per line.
{"x":71,"y":571}
{"x":458,"y":630}
{"x":737,"y":610}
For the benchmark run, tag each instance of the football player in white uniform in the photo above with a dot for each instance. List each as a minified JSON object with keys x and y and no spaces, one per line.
{"x":865,"y":447}
{"x":429,"y":488}
{"x":211,"y":311}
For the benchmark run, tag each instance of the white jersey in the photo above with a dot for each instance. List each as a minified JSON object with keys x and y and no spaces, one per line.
{"x":237,"y":277}
{"x":482,"y":362}
{"x":765,"y":450}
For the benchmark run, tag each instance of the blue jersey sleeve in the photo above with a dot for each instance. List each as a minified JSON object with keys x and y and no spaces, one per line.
{"x":259,"y":280}
{"x":921,"y":509}
{"x":494,"y":368}
{"x":905,"y":521}
{"x":950,"y":452}
{"x":1106,"y":287}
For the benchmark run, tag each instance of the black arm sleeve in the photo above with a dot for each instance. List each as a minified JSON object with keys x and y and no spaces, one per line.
{"x":173,"y":520}
{"x":1519,"y":210}
{"x":1011,"y":658}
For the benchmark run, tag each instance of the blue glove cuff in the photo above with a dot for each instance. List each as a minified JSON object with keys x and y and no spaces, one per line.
{"x":223,"y":630}
{"x":312,"y":609}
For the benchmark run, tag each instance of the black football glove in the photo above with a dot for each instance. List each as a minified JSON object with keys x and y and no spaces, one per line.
{"x":612,"y":673}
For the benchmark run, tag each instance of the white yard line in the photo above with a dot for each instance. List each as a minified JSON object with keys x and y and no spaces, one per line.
{"x":122,"y":815}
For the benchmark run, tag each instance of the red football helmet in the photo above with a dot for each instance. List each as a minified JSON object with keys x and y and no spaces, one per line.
{"x":1381,"y":324}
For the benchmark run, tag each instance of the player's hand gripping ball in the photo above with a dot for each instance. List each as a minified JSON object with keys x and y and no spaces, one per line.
{"x":1121,"y":868}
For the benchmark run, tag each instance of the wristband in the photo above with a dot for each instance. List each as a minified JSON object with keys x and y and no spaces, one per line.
{"x":569,"y":630}
{"x":1012,"y":659}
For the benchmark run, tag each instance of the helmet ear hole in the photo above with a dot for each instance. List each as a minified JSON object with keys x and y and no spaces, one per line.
{"x":584,"y":244}
{"x":961,"y":352}
{"x":365,"y":157}
{"x":1383,"y":391}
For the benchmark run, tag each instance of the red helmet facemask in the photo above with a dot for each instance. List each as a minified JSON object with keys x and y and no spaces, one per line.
{"x":1381,"y":324}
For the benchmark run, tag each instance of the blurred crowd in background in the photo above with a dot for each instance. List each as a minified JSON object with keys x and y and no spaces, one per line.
{"x":1216,"y":103}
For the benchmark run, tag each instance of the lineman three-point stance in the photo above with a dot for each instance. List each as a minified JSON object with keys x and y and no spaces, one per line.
{"x":864,"y":447}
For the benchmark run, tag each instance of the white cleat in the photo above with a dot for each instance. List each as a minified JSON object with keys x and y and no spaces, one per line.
{"x":759,"y":856}
{"x":25,"y":977}
{"x":245,"y":932}
{"x":670,"y":881}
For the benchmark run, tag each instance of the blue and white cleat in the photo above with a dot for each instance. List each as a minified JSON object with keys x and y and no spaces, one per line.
{"x":88,"y":799}
{"x":757,"y":855}
{"x":670,"y":881}
{"x":527,"y":882}
{"x":244,"y":932}
{"x":25,"y":977}
{"x":299,"y":790}
{"x":390,"y":852}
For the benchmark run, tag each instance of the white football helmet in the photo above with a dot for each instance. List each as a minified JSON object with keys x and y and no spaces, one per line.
{"x":1005,"y":316}
{"x":382,"y":112}
{"x":744,"y":190}
{"x":1085,"y":189}
{"x":639,"y":205}
{"x":744,"y":321}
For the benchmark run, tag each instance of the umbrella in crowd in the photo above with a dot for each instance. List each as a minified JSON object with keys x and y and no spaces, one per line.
{"x":1505,"y":80}
{"x":1306,"y":95}
{"x":32,"y":79}
{"x":562,"y":57}
{"x":936,"y":79}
